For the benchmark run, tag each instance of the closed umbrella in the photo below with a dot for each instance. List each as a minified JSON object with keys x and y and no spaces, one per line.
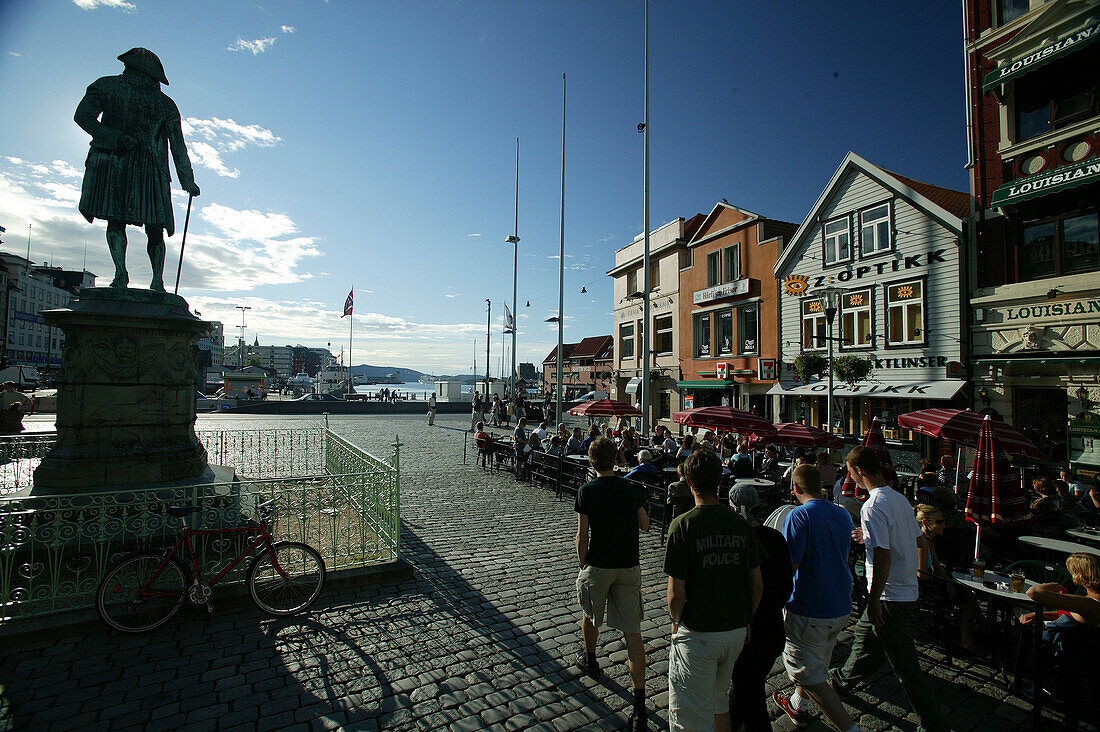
{"x":877,"y":443}
{"x":995,"y":495}
{"x":605,"y":408}
{"x":726,"y":419}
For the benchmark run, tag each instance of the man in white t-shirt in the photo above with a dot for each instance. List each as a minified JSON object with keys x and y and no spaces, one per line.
{"x":885,"y":631}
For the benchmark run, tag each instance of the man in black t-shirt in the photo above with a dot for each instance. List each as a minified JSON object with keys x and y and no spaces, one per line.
{"x":610,"y":510}
{"x":712,"y":560}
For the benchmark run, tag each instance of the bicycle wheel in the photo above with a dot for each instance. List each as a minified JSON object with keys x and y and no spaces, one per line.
{"x":295,"y":587}
{"x":132,"y":600}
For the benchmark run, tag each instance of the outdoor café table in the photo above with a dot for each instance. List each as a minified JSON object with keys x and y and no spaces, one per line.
{"x":1056,"y":545}
{"x":1022,"y":600}
{"x":755,"y":482}
{"x":1079,"y":534}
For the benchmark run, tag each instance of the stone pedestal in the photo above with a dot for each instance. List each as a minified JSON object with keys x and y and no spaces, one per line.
{"x":126,"y":397}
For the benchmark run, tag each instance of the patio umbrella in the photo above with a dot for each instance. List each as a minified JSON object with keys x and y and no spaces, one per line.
{"x":726,"y":419}
{"x":995,"y":495}
{"x":964,"y":426}
{"x":875,"y":441}
{"x":793,"y":434}
{"x":605,"y":408}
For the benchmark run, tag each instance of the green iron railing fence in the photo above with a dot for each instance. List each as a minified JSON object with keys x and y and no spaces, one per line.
{"x":329,"y":493}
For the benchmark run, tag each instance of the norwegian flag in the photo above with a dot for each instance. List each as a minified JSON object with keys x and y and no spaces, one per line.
{"x":509,"y":320}
{"x":347,"y":303}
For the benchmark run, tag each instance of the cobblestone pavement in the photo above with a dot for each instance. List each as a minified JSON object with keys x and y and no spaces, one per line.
{"x":479,"y":639}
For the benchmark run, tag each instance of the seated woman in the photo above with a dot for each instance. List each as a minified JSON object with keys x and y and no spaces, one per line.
{"x":1045,"y":510}
{"x":934,"y":579}
{"x":679,"y":498}
{"x":1073,"y":628}
{"x":770,"y":466}
{"x":627,"y":449}
{"x":740,"y":464}
{"x":685,"y":449}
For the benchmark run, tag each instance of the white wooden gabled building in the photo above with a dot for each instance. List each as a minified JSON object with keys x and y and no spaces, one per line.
{"x":893,"y":245}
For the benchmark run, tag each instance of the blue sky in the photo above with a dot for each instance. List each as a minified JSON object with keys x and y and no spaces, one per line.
{"x":372,"y":144}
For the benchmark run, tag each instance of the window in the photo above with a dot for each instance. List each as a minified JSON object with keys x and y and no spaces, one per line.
{"x":1059,"y":95}
{"x":905,"y":312}
{"x":747,"y":331}
{"x":874,"y":230}
{"x":725,"y":333}
{"x":1010,"y":10}
{"x":654,"y":275}
{"x":632,"y":282}
{"x":714,"y":269}
{"x":855,"y":319}
{"x":662,"y":328}
{"x":20,"y":339}
{"x":1065,"y":245}
{"x":626,"y":341}
{"x":702,"y":336}
{"x":732,"y":269}
{"x":837,"y":241}
{"x":813,"y":325}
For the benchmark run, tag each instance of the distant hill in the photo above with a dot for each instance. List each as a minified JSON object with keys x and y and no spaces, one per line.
{"x":406,"y":375}
{"x":375,"y":372}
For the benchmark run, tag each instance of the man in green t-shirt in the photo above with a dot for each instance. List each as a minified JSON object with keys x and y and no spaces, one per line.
{"x":712,"y":560}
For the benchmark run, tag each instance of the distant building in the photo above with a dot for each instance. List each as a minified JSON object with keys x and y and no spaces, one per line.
{"x":668,"y":255}
{"x":580,"y":373}
{"x":277,"y":359}
{"x":28,"y":290}
{"x":528,"y":373}
{"x":213,"y":346}
{"x":305,"y":361}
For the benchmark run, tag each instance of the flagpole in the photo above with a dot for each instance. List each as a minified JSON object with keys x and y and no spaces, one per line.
{"x":561,"y":261}
{"x":351,"y":332}
{"x":515,"y":268}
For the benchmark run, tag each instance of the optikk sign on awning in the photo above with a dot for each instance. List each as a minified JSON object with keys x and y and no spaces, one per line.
{"x":1071,"y":176}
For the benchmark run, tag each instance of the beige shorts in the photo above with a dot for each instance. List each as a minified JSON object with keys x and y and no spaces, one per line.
{"x":618,"y":591}
{"x":809,"y":648}
{"x":700,"y":674}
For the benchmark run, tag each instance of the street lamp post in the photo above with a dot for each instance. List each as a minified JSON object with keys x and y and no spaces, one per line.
{"x":240,"y":345}
{"x":514,"y":240}
{"x":830,"y":299}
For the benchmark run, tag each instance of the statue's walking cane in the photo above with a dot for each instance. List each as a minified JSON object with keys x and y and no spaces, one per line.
{"x":186,"y":221}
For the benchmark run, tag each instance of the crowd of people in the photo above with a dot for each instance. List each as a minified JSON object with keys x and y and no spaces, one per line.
{"x":746,"y":587}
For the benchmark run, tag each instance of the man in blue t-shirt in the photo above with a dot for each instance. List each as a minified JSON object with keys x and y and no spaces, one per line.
{"x":819,"y":535}
{"x":610,"y":511}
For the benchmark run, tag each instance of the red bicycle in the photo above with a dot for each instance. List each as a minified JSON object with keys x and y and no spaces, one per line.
{"x":144,"y":590}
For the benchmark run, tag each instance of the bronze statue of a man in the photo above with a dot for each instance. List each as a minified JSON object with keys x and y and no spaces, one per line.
{"x":126,"y":178}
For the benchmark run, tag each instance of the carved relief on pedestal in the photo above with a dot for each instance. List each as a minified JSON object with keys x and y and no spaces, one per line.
{"x":1032,"y":337}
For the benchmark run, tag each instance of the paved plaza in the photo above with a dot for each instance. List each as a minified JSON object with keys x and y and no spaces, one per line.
{"x":480,"y":638}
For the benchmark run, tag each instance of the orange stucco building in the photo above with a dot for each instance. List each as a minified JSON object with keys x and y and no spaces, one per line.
{"x":728,"y":316}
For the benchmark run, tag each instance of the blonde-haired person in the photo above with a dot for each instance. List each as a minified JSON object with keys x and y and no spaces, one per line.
{"x":934,"y":579}
{"x":1072,"y":631}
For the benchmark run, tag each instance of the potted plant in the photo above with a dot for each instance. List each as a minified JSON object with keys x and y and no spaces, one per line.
{"x":809,"y":365}
{"x":852,"y":369}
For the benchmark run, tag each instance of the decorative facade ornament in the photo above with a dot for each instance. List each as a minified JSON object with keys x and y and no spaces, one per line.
{"x":1033,"y":337}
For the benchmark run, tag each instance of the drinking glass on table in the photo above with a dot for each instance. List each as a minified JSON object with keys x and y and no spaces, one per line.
{"x":978,"y":571}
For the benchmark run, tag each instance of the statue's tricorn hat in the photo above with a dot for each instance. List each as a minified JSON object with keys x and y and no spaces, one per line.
{"x":146,"y":62}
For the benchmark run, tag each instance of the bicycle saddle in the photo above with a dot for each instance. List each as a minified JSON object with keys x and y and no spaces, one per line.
{"x":181,"y":511}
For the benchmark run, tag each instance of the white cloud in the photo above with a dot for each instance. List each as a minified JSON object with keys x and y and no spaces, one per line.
{"x":288,"y":29}
{"x":452,"y":294}
{"x":206,"y":155}
{"x":93,"y":4}
{"x":235,"y":251}
{"x":257,"y":46}
{"x":13,"y":53}
{"x":247,"y":224}
{"x":220,"y":136}
{"x":473,"y":235}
